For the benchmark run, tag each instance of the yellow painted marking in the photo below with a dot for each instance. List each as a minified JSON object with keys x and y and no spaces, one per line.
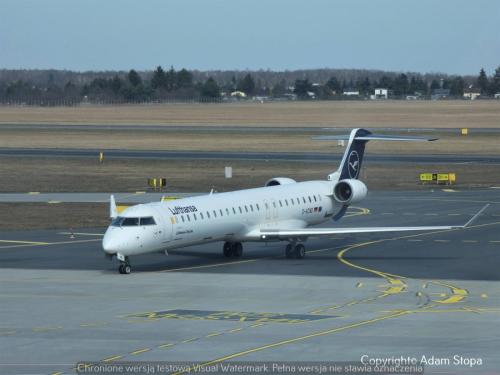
{"x":257,"y":325}
{"x":362,"y":211}
{"x":190,"y":340}
{"x":110,"y":359}
{"x":25,"y":242}
{"x":431,"y":214}
{"x":165,"y":345}
{"x":235,"y":330}
{"x":140,"y":192}
{"x":469,"y":241}
{"x":56,"y":373}
{"x":454,"y":214}
{"x":211,"y":265}
{"x":387,"y":213}
{"x":33,"y":193}
{"x":449,"y":190}
{"x":494,"y":241}
{"x":54,"y":202}
{"x":412,"y":240}
{"x":296,"y":339}
{"x":140,"y":351}
{"x":46,"y":329}
{"x":359,"y":285}
{"x":441,"y":240}
{"x":484,"y":295}
{"x":424,"y":285}
{"x":214,"y":334}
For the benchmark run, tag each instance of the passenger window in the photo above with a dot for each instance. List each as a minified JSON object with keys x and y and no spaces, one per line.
{"x":189,"y":219}
{"x":304,"y":199}
{"x":281,"y":204}
{"x":251,"y":208}
{"x":286,"y":202}
{"x":310,"y":200}
{"x":147,"y":221}
{"x":274,"y":204}
{"x":208,"y":214}
{"x":201,"y":215}
{"x":221,"y":213}
{"x":257,"y":205}
{"x":182,"y":218}
{"x":234,"y":211}
{"x":298,"y":201}
{"x":314,"y":198}
{"x":241,"y":211}
{"x":215,"y":213}
{"x":227,"y":211}
{"x":194,"y":215}
{"x":130,"y":221}
{"x":246,"y":208}
{"x":267,"y":206}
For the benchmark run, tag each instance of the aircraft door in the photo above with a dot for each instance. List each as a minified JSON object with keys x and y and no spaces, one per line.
{"x":274,"y":208}
{"x":267,"y":207}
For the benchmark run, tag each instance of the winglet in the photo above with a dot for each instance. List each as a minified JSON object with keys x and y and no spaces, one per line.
{"x":473,"y":218}
{"x":113,"y":212}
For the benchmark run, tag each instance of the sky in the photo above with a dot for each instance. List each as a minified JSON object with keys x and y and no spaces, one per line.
{"x":448,"y":36}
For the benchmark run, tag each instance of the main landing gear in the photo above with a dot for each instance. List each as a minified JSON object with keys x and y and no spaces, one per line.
{"x":232,"y":249}
{"x":124,"y":267}
{"x":295,"y":250}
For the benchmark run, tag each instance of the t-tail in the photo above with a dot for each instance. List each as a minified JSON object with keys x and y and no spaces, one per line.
{"x":348,"y":189}
{"x":350,"y":166}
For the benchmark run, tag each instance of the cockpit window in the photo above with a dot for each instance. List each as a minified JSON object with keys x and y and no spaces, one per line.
{"x":130,"y":221}
{"x":147,"y":221}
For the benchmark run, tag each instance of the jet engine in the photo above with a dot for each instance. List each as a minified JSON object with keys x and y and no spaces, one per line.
{"x":280,"y":181}
{"x":349,"y":191}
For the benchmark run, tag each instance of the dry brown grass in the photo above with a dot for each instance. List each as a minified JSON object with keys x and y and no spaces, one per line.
{"x":405,"y":114}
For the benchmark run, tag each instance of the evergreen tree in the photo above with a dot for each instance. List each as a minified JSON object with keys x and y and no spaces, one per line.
{"x":184,"y":78}
{"x":247,"y":85}
{"x":134,"y":78}
{"x":159,"y":79}
{"x":302,"y":86}
{"x":334,"y":85}
{"x":210,"y":89}
{"x":482,"y":82}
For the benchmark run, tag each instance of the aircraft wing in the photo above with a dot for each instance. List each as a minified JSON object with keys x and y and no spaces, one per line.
{"x":305,"y":232}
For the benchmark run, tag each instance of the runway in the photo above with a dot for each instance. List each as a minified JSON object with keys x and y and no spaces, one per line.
{"x":381,"y":295}
{"x":310,"y":157}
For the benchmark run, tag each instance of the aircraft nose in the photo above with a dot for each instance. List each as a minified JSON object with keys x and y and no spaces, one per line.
{"x":109,"y":243}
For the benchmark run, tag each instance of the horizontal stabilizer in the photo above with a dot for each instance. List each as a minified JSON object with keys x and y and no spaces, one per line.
{"x":372,"y":137}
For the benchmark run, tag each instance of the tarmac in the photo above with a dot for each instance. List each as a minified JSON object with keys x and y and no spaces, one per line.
{"x":310,"y":157}
{"x":354,"y":297}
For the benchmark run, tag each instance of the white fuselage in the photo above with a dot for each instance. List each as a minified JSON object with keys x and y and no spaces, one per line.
{"x":236,"y":216}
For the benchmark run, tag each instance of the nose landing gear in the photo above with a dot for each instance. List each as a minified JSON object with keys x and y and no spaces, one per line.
{"x":232,"y":249}
{"x":124,"y":267}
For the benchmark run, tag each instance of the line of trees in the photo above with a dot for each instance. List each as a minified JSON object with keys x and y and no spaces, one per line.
{"x":48,"y":87}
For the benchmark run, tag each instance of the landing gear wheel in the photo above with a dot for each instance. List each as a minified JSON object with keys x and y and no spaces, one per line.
{"x":300,"y":251}
{"x":289,"y":251}
{"x":237,"y":249}
{"x":125,"y":269}
{"x":227,"y":249}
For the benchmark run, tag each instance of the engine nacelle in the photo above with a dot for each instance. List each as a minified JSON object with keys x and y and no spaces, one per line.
{"x":349,"y":191}
{"x":280,"y":181}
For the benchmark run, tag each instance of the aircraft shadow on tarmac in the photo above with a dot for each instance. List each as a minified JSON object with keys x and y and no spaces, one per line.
{"x":413,"y":260}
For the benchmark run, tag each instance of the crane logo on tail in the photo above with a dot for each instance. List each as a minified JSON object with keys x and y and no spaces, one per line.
{"x":353,"y":164}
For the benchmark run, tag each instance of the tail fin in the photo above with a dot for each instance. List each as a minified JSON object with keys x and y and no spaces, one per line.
{"x":350,"y":166}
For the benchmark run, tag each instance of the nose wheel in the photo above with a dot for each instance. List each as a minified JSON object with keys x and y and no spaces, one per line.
{"x":232,"y":249}
{"x":297,"y":251}
{"x":124,"y":267}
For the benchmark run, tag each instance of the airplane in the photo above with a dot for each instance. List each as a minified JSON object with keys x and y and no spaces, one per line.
{"x":282,"y":210}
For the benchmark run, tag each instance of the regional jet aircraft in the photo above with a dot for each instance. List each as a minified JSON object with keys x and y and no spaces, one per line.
{"x":282,"y":210}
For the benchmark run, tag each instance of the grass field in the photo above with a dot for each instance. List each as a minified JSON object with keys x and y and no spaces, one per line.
{"x":405,"y":114}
